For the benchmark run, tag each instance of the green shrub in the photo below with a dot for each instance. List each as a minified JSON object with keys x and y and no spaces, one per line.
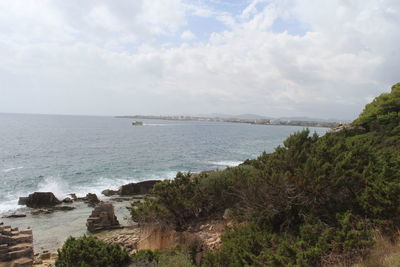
{"x":146,"y":256}
{"x":88,"y":251}
{"x":174,"y":260}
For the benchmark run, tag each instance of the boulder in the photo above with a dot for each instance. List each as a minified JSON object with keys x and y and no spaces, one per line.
{"x":41,"y":199}
{"x":67,"y":200}
{"x":102,"y":218}
{"x":22,"y":200}
{"x":140,"y":188}
{"x":109,"y":192}
{"x":73,"y":195}
{"x":92,"y":199}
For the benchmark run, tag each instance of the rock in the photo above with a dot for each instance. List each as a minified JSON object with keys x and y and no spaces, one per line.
{"x":45,"y":256}
{"x":37,"y":262}
{"x":137,"y":188}
{"x":121,"y":199}
{"x":63,"y":208}
{"x":41,"y":199}
{"x":109,"y":192}
{"x":41,"y":211}
{"x":16,"y":247}
{"x":227,"y":214}
{"x":52,"y":209}
{"x":15,"y":215}
{"x":73,"y":195}
{"x":102,"y":218}
{"x":22,"y":200}
{"x":67,"y":200}
{"x":92,"y":199}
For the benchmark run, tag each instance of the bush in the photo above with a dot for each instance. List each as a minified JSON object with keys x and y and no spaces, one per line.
{"x":172,"y":257}
{"x":88,"y":251}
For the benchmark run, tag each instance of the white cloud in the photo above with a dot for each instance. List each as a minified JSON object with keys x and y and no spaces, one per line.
{"x":103,"y":57}
{"x":188,"y":35}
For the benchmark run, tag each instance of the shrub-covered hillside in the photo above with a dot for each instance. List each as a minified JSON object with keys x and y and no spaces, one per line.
{"x":314,"y":201}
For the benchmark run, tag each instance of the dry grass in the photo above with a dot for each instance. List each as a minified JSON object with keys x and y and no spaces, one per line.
{"x":384,"y":253}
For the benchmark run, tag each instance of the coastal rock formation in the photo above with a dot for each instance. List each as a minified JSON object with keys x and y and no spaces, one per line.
{"x":102,"y":218}
{"x":92,"y":199}
{"x":67,"y":200}
{"x":109,"y":192}
{"x":39,"y":200}
{"x":16,"y":247}
{"x":127,"y":238}
{"x":140,"y":188}
{"x":51,"y":210}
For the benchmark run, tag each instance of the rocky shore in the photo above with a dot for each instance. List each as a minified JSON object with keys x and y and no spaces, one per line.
{"x":49,"y":221}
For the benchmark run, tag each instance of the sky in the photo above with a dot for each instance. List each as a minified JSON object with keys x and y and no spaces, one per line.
{"x":314,"y":58}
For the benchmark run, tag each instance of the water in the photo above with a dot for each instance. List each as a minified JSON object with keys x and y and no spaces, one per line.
{"x":81,"y":154}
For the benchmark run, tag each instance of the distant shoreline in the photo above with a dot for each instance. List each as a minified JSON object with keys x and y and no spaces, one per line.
{"x":237,"y":120}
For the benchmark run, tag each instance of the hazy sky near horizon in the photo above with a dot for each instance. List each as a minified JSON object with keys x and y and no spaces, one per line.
{"x":316,"y":58}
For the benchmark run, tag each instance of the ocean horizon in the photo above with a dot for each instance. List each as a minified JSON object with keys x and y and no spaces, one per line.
{"x":67,"y":154}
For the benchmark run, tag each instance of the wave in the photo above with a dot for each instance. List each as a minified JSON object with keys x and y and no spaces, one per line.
{"x":226,"y":163}
{"x":12,"y":169}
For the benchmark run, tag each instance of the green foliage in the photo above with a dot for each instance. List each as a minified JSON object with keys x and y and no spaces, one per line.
{"x":88,"y":251}
{"x":383,"y":112}
{"x":146,"y":256}
{"x":172,"y":257}
{"x":250,"y":245}
{"x":313,"y":199}
{"x":175,"y":259}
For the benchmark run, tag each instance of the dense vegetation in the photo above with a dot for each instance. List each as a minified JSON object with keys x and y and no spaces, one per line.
{"x":314,"y":201}
{"x":87,"y":251}
{"x":172,"y":257}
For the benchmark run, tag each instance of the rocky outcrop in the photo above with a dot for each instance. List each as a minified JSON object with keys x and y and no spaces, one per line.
{"x":92,"y":199}
{"x":51,"y":210}
{"x":346,"y":126}
{"x":16,"y":247}
{"x":109,"y":192}
{"x":126,"y":238}
{"x":140,"y":188}
{"x":67,"y":200}
{"x":102,"y":218}
{"x":39,"y":200}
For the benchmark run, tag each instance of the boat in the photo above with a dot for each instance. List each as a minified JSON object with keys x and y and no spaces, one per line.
{"x":137,"y":123}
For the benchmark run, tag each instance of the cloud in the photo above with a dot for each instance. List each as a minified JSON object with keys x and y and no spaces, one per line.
{"x":129,"y":57}
{"x":188,"y":35}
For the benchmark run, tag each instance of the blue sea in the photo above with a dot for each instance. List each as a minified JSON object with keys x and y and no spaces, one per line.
{"x":82,"y":154}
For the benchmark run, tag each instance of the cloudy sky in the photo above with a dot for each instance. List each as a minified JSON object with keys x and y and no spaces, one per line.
{"x":316,"y":58}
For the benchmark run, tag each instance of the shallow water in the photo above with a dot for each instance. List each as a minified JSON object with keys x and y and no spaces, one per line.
{"x":51,"y":230}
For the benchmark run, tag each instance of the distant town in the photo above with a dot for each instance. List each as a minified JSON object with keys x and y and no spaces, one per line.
{"x":266,"y":121}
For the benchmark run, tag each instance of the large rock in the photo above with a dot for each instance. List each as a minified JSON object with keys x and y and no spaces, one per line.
{"x":16,"y":247}
{"x":140,"y":188}
{"x":92,"y":199}
{"x":102,"y":218}
{"x":40,"y":200}
{"x":109,"y":192}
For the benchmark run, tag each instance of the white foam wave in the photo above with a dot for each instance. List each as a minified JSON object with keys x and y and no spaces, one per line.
{"x":12,"y":169}
{"x":226,"y":163}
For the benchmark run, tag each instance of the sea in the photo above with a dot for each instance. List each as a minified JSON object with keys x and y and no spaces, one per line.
{"x":80,"y":154}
